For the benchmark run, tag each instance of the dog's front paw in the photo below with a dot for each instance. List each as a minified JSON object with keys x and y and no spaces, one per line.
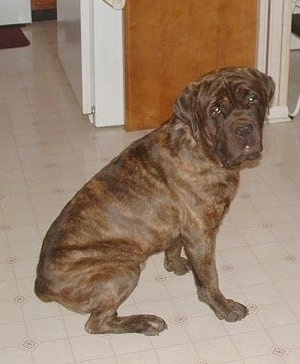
{"x":232,"y":311}
{"x":179,"y":267}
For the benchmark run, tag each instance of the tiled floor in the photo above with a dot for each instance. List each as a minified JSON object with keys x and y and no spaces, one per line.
{"x":47,"y":151}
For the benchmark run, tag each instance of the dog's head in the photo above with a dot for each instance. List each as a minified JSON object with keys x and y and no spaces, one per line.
{"x":227,"y":109}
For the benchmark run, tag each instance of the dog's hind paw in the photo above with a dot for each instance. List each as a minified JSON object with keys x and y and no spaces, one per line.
{"x":151,"y":325}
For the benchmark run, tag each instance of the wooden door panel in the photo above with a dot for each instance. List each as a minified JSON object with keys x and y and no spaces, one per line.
{"x":169,"y":43}
{"x":43,"y":4}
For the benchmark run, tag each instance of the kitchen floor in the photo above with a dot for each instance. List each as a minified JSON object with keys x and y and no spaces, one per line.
{"x":48,"y":150}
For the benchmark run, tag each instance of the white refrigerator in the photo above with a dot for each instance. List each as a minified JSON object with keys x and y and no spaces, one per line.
{"x":15,"y":12}
{"x":90,"y":48}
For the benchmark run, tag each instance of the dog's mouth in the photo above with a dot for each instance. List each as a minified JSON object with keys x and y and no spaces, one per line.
{"x":247,"y":152}
{"x":251,"y":152}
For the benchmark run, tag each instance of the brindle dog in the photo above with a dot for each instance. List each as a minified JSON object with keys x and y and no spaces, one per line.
{"x":167,"y":191}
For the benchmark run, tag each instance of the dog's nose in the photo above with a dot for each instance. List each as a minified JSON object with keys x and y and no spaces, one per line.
{"x":244,"y":131}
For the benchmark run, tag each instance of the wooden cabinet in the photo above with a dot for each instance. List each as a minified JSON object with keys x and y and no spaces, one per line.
{"x":169,"y":43}
{"x":43,"y":4}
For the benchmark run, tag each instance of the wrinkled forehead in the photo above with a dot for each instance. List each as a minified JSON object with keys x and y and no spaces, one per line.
{"x":229,"y":85}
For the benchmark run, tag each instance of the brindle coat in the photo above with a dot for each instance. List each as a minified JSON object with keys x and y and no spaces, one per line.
{"x":168,"y":190}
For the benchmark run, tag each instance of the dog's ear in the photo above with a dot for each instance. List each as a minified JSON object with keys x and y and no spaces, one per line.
{"x":184,"y":107}
{"x":270,"y":85}
{"x":267,"y":82}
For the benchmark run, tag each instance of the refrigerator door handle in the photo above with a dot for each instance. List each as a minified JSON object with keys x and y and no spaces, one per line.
{"x":116,"y":4}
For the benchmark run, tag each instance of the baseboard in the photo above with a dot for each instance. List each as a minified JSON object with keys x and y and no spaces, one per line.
{"x":278,"y":114}
{"x":45,"y":14}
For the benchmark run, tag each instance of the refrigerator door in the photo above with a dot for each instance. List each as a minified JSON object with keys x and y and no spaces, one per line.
{"x":15,"y":12}
{"x":90,"y":47}
{"x":74,"y":48}
{"x":108,"y":54}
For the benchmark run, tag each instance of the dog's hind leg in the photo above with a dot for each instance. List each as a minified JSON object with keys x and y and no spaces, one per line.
{"x":103,"y":322}
{"x":108,"y":296}
{"x":174,"y":262}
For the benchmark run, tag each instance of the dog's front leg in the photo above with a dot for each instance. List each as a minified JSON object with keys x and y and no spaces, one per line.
{"x":174,"y":262}
{"x":201,"y":255}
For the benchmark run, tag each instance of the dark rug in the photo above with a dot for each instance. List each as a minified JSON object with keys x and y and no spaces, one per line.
{"x":11,"y":36}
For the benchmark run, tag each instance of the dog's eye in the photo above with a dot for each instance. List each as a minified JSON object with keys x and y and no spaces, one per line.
{"x":252,"y":99}
{"x":216,"y":110}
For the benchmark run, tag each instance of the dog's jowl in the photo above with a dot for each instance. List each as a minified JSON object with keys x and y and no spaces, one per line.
{"x":167,"y":191}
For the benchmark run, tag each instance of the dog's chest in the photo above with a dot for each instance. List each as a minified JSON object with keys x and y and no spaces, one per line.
{"x":208,"y":196}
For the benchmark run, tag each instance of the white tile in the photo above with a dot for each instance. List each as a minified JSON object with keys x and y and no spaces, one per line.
{"x":289,"y":198}
{"x":293,"y":357}
{"x":277,"y":215}
{"x":276,"y":314}
{"x":287,"y":336}
{"x":292,"y":246}
{"x":264,"y":359}
{"x":262,"y":293}
{"x":26,"y":286}
{"x":268,"y":252}
{"x":250,"y":275}
{"x":238,"y":256}
{"x":191,"y":306}
{"x":281,"y":269}
{"x":75,"y":323}
{"x":218,"y":350}
{"x":149,"y":291}
{"x":130,"y":343}
{"x":247,"y":219}
{"x":287,"y":231}
{"x":281,"y":184}
{"x":47,"y":351}
{"x":10,"y":313}
{"x":294,"y":211}
{"x":265,"y":201}
{"x":25,"y":268}
{"x":6,"y":271}
{"x":197,"y":328}
{"x":23,"y":233}
{"x":35,"y":309}
{"x":230,"y":239}
{"x":46,"y":329}
{"x":178,"y":354}
{"x":12,"y":334}
{"x":108,"y":360}
{"x":8,"y":289}
{"x":141,"y":357}
{"x":295,"y":305}
{"x":289,"y":288}
{"x":91,"y":347}
{"x":15,"y":355}
{"x":181,"y":285}
{"x":253,"y":343}
{"x":25,"y":249}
